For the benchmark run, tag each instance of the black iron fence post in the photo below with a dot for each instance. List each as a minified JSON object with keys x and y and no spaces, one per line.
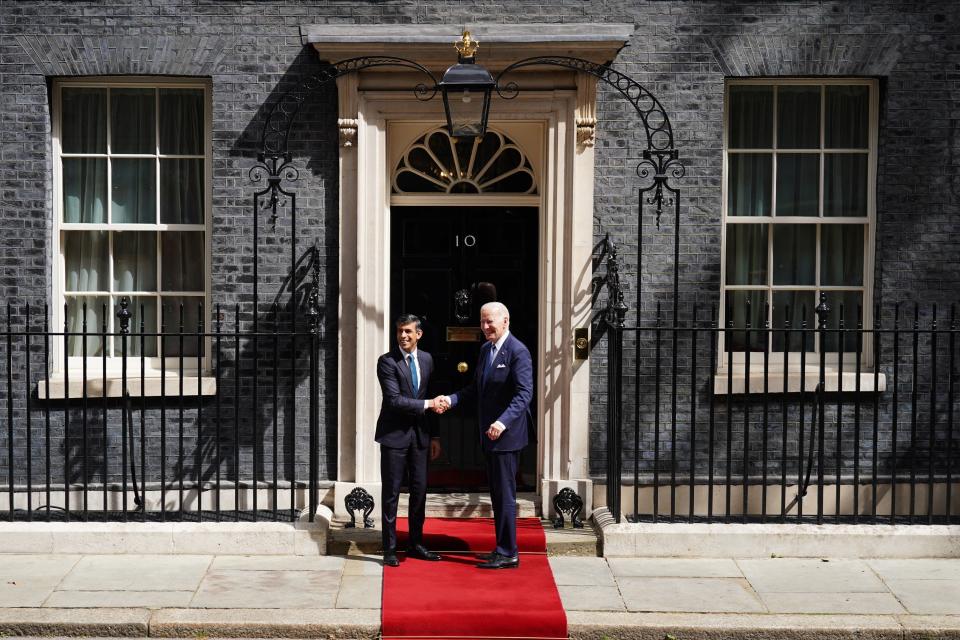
{"x":123,"y":315}
{"x":313,"y":310}
{"x":823,"y":313}
{"x":614,"y":318}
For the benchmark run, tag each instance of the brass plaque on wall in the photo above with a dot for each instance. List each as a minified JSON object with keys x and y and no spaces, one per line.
{"x":464,"y":334}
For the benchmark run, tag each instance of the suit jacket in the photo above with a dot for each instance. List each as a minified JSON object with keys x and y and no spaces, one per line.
{"x":402,"y":417}
{"x":503,"y":394}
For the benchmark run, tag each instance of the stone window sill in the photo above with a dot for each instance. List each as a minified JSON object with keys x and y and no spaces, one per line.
{"x":153,"y":386}
{"x":834,"y":381}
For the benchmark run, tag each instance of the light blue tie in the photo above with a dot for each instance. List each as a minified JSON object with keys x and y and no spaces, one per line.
{"x":413,"y":373}
{"x":489,"y":367}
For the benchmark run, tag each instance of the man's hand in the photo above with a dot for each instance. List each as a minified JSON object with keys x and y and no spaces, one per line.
{"x":435,"y":448}
{"x":495,"y":430}
{"x":439,"y":404}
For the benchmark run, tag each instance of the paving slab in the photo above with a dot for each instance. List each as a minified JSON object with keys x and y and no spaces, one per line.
{"x":917,"y":569}
{"x":810,"y":575}
{"x":675,"y":567}
{"x":28,"y":580}
{"x":360,"y":592}
{"x":573,"y":570}
{"x":119,"y":599}
{"x":596,"y":625}
{"x":134,"y":572}
{"x":74,"y":622}
{"x":591,"y":598}
{"x":277,"y":563}
{"x":331,"y":624}
{"x":268,"y":590}
{"x":852,"y":603}
{"x":363,"y":565}
{"x":928,"y":596}
{"x":700,"y":595}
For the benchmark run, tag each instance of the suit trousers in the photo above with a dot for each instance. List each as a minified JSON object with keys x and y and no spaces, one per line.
{"x":502,"y":475}
{"x":395,"y":465}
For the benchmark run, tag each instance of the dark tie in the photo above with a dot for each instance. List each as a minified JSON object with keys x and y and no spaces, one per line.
{"x":488,"y":362}
{"x":413,"y":373}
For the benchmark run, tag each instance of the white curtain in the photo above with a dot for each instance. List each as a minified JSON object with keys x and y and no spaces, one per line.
{"x":135,"y":261}
{"x":181,"y":121}
{"x":85,"y":190}
{"x":746,"y":254}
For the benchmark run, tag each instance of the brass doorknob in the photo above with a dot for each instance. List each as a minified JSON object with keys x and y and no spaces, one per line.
{"x":462,"y":367}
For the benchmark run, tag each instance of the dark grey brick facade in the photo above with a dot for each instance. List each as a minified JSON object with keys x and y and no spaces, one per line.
{"x":682,"y":51}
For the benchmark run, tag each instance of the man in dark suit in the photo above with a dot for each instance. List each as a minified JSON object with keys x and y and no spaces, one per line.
{"x":502,"y":389}
{"x":406,"y":436}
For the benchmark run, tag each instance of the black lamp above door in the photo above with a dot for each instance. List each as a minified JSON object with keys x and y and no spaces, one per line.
{"x":466,"y":88}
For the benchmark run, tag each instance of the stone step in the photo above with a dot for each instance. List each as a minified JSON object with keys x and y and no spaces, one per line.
{"x":566,"y":541}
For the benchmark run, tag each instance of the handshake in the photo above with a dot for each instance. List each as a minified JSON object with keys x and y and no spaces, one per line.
{"x":439,"y":405}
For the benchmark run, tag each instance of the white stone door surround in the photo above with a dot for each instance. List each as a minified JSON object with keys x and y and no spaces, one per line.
{"x":553,"y":118}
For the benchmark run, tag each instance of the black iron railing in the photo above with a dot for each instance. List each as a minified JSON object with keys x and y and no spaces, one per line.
{"x":840,"y":423}
{"x":224,"y":427}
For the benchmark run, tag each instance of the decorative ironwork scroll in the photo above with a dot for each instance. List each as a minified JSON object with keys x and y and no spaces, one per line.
{"x":567,"y":501}
{"x":359,"y":500}
{"x":280,"y":118}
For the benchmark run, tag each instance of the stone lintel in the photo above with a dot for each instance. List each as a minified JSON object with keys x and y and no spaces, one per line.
{"x":432,"y":45}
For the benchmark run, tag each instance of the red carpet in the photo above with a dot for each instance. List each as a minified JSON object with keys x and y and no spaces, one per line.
{"x":452,"y":599}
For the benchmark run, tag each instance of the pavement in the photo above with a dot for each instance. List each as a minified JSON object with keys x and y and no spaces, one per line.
{"x":338,"y":596}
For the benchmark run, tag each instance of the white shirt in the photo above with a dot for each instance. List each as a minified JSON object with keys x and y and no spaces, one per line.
{"x":496,"y":347}
{"x":416,"y":365}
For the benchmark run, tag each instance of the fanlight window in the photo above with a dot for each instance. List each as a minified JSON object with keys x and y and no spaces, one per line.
{"x":438,"y":163}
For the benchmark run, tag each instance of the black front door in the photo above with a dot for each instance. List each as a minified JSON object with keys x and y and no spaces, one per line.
{"x":445,"y":263}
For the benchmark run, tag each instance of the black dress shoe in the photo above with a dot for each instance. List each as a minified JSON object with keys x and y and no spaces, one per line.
{"x":390,"y":559}
{"x":500,"y":562}
{"x":487,"y":556}
{"x":420,"y":551}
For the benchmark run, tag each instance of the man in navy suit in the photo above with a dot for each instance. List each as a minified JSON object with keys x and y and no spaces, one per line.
{"x":406,"y":436}
{"x":502,"y":389}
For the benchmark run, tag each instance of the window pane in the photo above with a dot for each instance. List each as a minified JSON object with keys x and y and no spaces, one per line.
{"x":181,"y":191}
{"x":795,"y":306}
{"x":182,"y":261}
{"x":135,"y":261}
{"x":95,"y":319}
{"x":84,"y":190}
{"x":83,"y":124}
{"x":841,"y":254}
{"x":798,"y":184}
{"x":749,"y":188}
{"x":794,"y":254}
{"x":845,"y":184}
{"x":848,"y":116}
{"x":843,"y":303}
{"x":181,"y":121}
{"x":738,"y":312}
{"x":189,"y":306}
{"x":86,"y":255}
{"x":751,"y":117}
{"x":141,"y":308}
{"x":132,"y":121}
{"x":134,"y":189}
{"x":746,"y":254}
{"x":798,"y":117}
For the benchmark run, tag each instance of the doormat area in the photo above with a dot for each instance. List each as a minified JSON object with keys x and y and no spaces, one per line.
{"x":454,"y":599}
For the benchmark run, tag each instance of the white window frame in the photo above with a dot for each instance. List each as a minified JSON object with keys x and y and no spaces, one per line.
{"x":813,"y":357}
{"x":152,"y":368}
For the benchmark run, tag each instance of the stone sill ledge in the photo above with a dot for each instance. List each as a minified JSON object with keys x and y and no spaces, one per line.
{"x":846,"y":382}
{"x":113,"y":387}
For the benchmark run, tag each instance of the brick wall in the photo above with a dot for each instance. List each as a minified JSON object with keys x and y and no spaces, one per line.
{"x":682,"y":51}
